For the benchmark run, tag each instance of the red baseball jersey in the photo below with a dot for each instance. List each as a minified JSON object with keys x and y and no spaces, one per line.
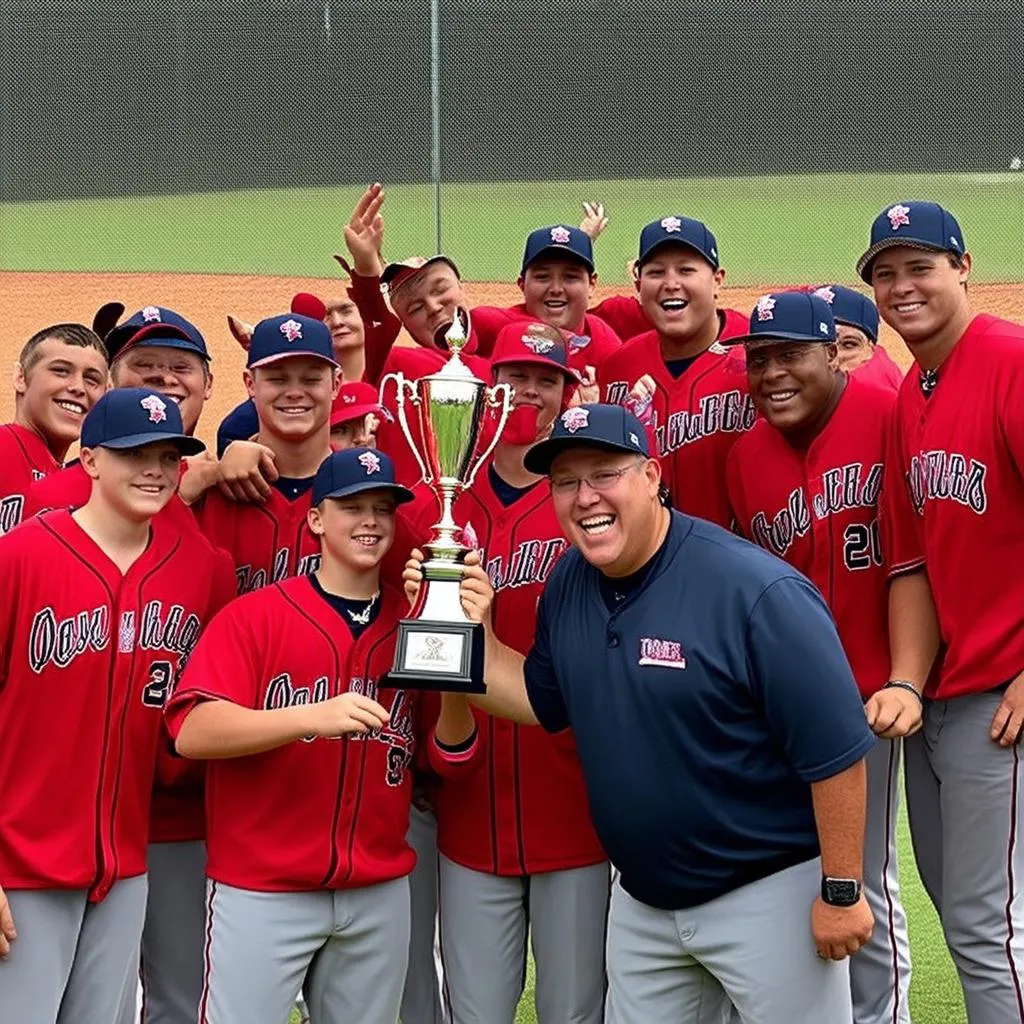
{"x":24,"y":459}
{"x":624,"y":314}
{"x":697,"y":417}
{"x":955,"y":505}
{"x":594,"y":344}
{"x":880,"y":370}
{"x":71,"y":487}
{"x":317,"y":813}
{"x":818,"y":509}
{"x":380,"y":325}
{"x":522,"y":808}
{"x":267,"y":542}
{"x":87,"y":659}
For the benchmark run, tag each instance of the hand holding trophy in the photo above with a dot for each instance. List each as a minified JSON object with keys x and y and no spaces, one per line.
{"x":439,"y":647}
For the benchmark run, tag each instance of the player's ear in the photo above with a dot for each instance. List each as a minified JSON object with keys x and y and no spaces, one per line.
{"x":87,"y":457}
{"x":520,"y":281}
{"x":965,"y":268}
{"x":18,"y":378}
{"x":315,"y":522}
{"x":832,"y":355}
{"x":247,"y":380}
{"x":634,"y":273}
{"x":336,"y":383}
{"x":208,"y":390}
{"x":652,"y":470}
{"x":719,"y":280}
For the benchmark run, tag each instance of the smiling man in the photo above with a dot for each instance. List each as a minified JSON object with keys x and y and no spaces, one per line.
{"x":721,"y":737}
{"x":804,"y":483}
{"x":292,"y":377}
{"x":678,"y":375}
{"x":958,"y":462}
{"x":61,"y":373}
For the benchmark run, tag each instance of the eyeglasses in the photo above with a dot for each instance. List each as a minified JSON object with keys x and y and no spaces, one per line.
{"x":602,"y":480}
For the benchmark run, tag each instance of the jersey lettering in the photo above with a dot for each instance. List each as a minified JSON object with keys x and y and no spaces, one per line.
{"x":11,"y":509}
{"x":791,"y":522}
{"x":940,"y":476}
{"x":282,"y":694}
{"x":846,"y":487}
{"x":60,"y":641}
{"x":247,"y":580}
{"x":397,"y":734}
{"x":178,"y":632}
{"x":617,"y":392}
{"x":728,"y":412}
{"x":531,"y":562}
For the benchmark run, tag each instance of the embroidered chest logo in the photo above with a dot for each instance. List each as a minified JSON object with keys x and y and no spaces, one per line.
{"x":661,"y":653}
{"x":531,"y":562}
{"x":948,"y":476}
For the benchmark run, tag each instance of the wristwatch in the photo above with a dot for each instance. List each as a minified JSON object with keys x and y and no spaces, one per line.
{"x":840,"y":892}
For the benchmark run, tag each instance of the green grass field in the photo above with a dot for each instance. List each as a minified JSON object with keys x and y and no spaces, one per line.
{"x":934,"y":992}
{"x":784,"y":230}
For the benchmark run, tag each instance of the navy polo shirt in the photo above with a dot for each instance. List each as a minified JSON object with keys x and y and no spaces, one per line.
{"x":702,"y":707}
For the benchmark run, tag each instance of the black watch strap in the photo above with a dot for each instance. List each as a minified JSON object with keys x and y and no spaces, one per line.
{"x":840,"y":892}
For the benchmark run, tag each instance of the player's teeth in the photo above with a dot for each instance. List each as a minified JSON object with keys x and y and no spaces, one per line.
{"x":72,"y":407}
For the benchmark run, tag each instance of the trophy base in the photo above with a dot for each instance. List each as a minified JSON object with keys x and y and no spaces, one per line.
{"x":442,"y":656}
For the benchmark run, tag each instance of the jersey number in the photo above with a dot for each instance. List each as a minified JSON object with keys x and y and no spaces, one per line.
{"x":161,"y":675}
{"x":862,"y":546}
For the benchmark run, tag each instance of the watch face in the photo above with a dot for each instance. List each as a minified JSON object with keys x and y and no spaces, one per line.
{"x":840,"y":892}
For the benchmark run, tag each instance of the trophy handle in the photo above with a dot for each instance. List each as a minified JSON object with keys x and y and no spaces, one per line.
{"x":505,"y":390}
{"x":403,"y":384}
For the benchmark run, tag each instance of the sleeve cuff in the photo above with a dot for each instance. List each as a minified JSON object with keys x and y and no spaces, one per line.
{"x":460,"y":752}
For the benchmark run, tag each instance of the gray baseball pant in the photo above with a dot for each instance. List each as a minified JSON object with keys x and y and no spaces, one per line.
{"x":752,"y":946}
{"x":73,"y":960}
{"x":965,"y":808}
{"x":349,"y":946}
{"x":421,"y":998}
{"x":485,"y":920}
{"x":172,"y":936}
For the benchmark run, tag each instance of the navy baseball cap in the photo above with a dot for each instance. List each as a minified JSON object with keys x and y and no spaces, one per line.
{"x":133,"y":417}
{"x":678,"y":231}
{"x":789,"y":316}
{"x":851,"y":308}
{"x":356,"y":470}
{"x":559,"y":240}
{"x":289,"y":334}
{"x":609,"y":427}
{"x":915,"y":224}
{"x":155,"y":326}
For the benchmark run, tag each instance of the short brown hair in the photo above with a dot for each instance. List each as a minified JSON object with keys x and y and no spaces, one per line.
{"x":70,"y":334}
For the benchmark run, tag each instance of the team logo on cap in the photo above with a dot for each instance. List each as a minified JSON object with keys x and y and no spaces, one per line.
{"x":898,"y":215}
{"x":765,"y":306}
{"x":541,"y":346}
{"x":370,"y":462}
{"x":575,"y":419}
{"x":150,"y":313}
{"x":671,"y":224}
{"x":348,"y":399}
{"x":291,"y":329}
{"x":156,"y":407}
{"x":560,"y":235}
{"x":826,"y":293}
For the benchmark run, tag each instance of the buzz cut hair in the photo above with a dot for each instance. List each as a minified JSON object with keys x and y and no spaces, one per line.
{"x":70,"y":334}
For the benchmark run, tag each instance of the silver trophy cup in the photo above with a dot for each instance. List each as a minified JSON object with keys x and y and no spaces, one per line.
{"x":439,"y":647}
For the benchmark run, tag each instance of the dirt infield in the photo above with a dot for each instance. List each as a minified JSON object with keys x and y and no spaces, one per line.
{"x":31,"y":301}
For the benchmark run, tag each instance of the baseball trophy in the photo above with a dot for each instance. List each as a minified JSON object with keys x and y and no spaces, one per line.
{"x":439,"y":647}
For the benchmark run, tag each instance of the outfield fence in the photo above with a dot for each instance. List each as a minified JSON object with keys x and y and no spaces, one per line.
{"x":135,"y":98}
